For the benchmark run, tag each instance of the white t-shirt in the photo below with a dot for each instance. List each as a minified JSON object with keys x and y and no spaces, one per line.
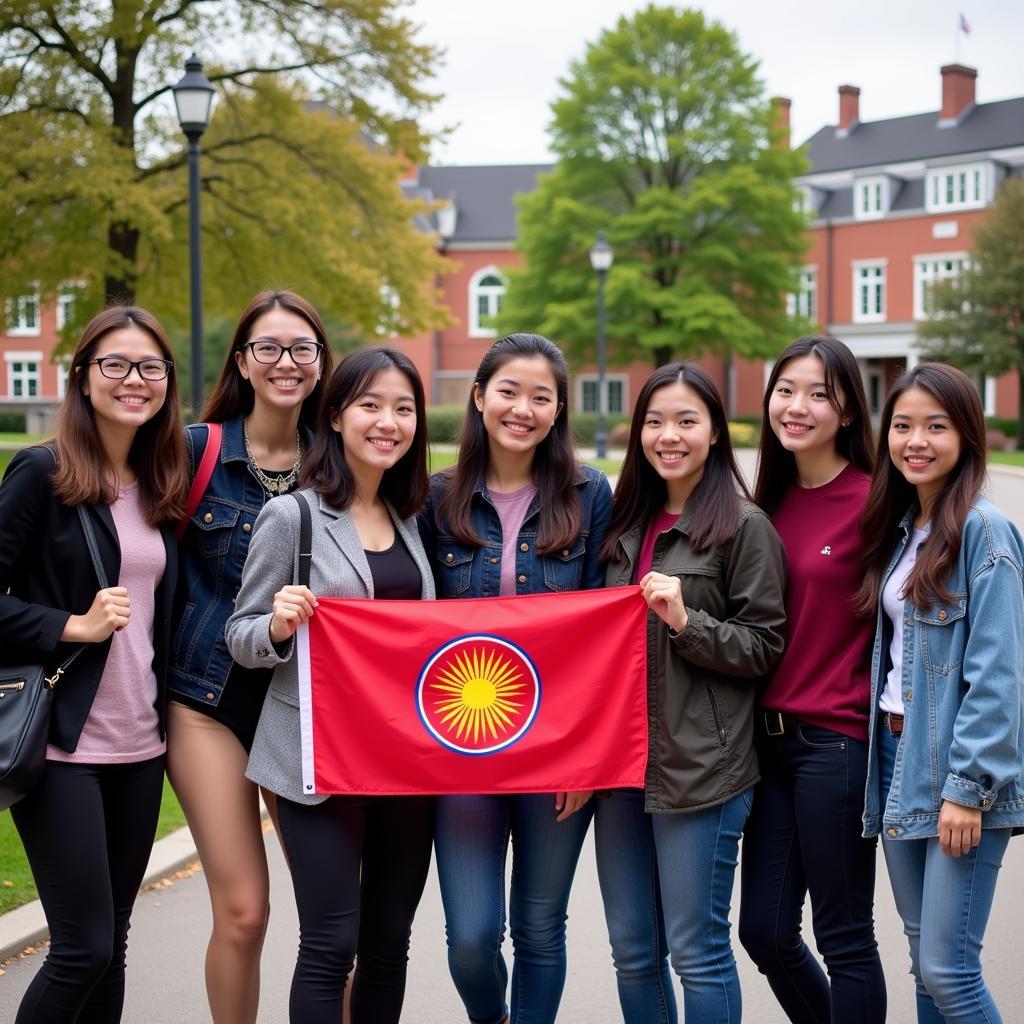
{"x":893,"y":604}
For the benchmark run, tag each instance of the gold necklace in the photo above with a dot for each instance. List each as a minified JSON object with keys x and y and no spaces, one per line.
{"x":274,"y":485}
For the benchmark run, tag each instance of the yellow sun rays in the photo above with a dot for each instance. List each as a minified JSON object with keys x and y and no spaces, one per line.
{"x":479,"y":691}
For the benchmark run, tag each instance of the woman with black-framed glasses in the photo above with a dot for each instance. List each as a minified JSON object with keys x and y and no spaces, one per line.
{"x":88,"y":824}
{"x":265,"y":404}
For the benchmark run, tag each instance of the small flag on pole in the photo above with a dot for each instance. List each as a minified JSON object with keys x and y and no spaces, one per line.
{"x":964,"y":26}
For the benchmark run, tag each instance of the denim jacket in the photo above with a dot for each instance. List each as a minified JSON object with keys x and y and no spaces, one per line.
{"x":963,"y":661}
{"x":463,"y":570}
{"x":211,"y":556}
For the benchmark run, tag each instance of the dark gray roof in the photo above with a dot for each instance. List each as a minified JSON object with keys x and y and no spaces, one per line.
{"x":918,"y":137}
{"x":484,"y":197}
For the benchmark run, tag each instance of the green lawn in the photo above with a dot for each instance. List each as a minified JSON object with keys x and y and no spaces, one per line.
{"x":14,"y":868}
{"x":1008,"y":458}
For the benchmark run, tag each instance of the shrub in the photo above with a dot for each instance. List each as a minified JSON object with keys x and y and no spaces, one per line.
{"x":443,"y":422}
{"x":12,"y":423}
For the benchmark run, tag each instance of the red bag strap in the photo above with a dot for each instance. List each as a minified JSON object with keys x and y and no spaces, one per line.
{"x":203,"y":473}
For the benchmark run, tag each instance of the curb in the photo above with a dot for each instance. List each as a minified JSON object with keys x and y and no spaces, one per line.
{"x":1005,"y":468}
{"x":26,"y":925}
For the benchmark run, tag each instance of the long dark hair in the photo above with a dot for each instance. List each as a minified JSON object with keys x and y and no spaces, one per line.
{"x":233,"y":396}
{"x":891,"y":494}
{"x":157,"y":454}
{"x":406,"y":483}
{"x":554,"y":461}
{"x":640,"y":492}
{"x":776,"y":467}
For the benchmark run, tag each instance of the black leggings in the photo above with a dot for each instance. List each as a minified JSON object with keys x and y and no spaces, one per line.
{"x":339,"y":917}
{"x":87,"y":830}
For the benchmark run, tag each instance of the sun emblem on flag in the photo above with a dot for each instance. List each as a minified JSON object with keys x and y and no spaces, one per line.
{"x":478,"y":694}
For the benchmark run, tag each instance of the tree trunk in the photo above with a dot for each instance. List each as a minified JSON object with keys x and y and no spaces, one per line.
{"x":662,"y":354}
{"x":123,"y":240}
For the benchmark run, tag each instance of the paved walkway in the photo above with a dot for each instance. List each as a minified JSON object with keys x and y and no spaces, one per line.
{"x":171,"y":924}
{"x":172,"y":921}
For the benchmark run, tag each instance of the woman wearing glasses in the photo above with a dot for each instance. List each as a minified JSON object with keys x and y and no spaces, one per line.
{"x":88,"y":825}
{"x":266,"y":402}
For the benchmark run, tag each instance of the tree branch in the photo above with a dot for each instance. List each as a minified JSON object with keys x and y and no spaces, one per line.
{"x":87,"y":64}
{"x":174,"y":162}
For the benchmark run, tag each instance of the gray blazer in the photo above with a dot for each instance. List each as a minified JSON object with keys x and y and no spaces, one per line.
{"x":339,"y":569}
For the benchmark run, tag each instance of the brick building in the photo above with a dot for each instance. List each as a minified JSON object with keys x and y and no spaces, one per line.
{"x":892,"y":206}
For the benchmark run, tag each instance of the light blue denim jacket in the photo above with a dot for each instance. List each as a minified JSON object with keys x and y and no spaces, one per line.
{"x":963,"y":695}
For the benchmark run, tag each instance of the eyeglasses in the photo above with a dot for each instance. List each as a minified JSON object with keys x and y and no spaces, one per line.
{"x":118,"y":367}
{"x":302,"y":352}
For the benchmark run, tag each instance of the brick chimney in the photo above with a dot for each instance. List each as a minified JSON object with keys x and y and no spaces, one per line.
{"x":780,"y":119}
{"x":957,"y":93}
{"x":849,"y":110}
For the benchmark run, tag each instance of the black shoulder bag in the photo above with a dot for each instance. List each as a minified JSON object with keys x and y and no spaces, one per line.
{"x":26,"y":697}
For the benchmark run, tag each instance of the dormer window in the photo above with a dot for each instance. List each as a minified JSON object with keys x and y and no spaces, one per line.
{"x":871,"y":197}
{"x":957,"y":188}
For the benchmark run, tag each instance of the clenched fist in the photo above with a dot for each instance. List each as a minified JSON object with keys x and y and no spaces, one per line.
{"x":111,"y":609}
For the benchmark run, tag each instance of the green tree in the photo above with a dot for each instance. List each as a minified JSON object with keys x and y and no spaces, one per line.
{"x":299,"y":166}
{"x":665,"y":141}
{"x":976,"y":319}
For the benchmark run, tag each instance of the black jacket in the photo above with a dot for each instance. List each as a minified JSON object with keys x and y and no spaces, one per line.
{"x":46,"y":576}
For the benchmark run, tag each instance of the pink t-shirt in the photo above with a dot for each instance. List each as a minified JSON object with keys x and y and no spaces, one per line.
{"x":511,"y":508}
{"x":123,"y":725}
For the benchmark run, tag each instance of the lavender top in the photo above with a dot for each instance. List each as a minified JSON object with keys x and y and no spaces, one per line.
{"x":511,"y":508}
{"x":123,"y":725}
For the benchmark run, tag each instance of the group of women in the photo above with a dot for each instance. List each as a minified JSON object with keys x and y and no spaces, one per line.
{"x":837,"y":657}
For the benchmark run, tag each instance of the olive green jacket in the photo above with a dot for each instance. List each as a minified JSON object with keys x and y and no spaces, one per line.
{"x":702,"y":682}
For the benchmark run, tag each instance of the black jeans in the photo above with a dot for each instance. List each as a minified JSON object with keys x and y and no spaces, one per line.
{"x":804,"y":835}
{"x":87,"y":830}
{"x":342,"y":917}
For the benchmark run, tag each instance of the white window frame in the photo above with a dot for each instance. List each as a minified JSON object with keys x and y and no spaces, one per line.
{"x":873,"y":316}
{"x":622,"y":379}
{"x":804,"y":301}
{"x":493,"y":295}
{"x":928,"y":268}
{"x":69,"y":292}
{"x":876,"y":191}
{"x":10,"y":358}
{"x":63,"y":368}
{"x":957,"y":187}
{"x":17,"y":326}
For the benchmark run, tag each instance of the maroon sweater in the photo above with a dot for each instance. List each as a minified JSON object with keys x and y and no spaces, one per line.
{"x":824,"y":677}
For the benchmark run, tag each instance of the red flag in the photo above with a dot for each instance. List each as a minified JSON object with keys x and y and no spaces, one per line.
{"x":531,"y":694}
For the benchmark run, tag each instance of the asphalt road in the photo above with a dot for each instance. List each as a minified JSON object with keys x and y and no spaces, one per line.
{"x":171,"y":924}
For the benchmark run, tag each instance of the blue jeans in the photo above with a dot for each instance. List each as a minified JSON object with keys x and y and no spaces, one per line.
{"x":944,"y":902}
{"x":472,"y":842}
{"x":627,"y":868}
{"x":697,"y":854}
{"x":804,"y":835}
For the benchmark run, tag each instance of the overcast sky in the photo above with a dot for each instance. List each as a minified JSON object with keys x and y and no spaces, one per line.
{"x":504,"y":59}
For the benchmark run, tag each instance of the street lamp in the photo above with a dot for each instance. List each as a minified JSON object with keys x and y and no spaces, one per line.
{"x":601,"y":256}
{"x":193,"y":96}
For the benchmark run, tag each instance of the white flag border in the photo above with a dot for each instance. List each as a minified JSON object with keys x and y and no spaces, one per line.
{"x":305,"y":709}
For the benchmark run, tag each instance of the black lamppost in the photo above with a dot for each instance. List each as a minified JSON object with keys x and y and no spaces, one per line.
{"x":193,"y":96}
{"x":601,"y":256}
